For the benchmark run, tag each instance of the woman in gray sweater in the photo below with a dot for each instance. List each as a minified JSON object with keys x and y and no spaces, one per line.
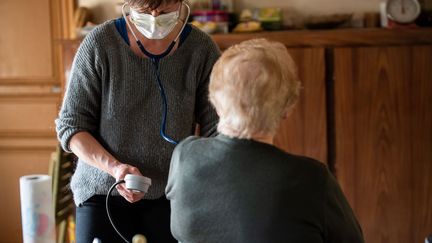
{"x":114,"y":106}
{"x":238,"y":187}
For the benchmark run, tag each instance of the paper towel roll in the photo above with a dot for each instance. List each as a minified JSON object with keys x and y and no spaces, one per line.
{"x":37,"y":211}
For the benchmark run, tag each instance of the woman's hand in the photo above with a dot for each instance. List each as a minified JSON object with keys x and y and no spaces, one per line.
{"x":119,"y":172}
{"x":87,"y":148}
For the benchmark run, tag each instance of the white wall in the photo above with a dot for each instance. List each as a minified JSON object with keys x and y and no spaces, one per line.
{"x":315,"y":6}
{"x":106,"y":9}
{"x":296,"y":11}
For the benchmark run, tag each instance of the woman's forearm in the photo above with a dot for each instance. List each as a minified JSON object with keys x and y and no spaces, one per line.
{"x":88,"y":149}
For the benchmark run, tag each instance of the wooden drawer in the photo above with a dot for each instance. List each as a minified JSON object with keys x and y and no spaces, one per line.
{"x":29,"y":115}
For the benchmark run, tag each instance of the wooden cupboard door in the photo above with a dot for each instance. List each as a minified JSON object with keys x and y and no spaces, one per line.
{"x":304,"y":132}
{"x":421,"y":125}
{"x":26,"y":43}
{"x":29,"y":117}
{"x":29,"y":99}
{"x":383,"y":131}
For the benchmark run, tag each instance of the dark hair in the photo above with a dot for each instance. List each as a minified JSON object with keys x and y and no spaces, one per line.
{"x":151,"y":4}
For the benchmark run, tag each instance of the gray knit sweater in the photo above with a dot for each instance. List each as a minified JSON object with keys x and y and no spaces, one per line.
{"x":112,"y":93}
{"x":227,"y":190}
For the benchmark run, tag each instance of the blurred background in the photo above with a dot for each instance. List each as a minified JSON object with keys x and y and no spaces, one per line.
{"x":365,"y":107}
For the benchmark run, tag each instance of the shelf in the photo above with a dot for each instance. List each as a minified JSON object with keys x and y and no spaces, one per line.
{"x":324,"y":38}
{"x":334,"y":38}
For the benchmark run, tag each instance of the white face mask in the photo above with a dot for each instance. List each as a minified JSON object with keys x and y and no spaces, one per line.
{"x":155,"y":27}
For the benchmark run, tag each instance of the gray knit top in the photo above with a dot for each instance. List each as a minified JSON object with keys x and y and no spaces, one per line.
{"x":224,"y":189}
{"x":113,"y":94}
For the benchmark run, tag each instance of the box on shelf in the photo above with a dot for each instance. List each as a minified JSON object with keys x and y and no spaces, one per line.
{"x":211,"y":21}
{"x":224,"y":5}
{"x":270,"y":18}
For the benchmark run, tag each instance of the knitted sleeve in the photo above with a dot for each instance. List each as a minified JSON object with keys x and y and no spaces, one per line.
{"x":205,"y":113}
{"x":81,"y":105}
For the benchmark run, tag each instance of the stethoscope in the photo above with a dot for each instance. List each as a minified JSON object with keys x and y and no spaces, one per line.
{"x":155,"y":62}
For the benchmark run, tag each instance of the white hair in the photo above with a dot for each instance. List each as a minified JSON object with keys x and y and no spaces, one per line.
{"x":251,"y":86}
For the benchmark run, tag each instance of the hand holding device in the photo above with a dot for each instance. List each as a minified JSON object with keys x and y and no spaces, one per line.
{"x":119,"y":172}
{"x":137,"y":183}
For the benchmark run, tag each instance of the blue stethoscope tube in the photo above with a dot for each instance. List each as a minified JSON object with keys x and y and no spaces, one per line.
{"x":164,"y":104}
{"x":155,"y":62}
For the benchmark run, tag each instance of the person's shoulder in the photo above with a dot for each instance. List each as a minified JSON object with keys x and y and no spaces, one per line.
{"x":187,"y":141}
{"x":187,"y":149}
{"x":100,"y":32}
{"x":184,"y":144}
{"x":201,"y":40}
{"x":308,"y":161}
{"x":190,"y":142}
{"x":102,"y":28}
{"x":305,"y":165}
{"x":199,"y":34}
{"x":301,"y":159}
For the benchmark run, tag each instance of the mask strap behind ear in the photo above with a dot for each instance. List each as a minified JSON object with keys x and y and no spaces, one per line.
{"x":185,"y":21}
{"x":127,"y":21}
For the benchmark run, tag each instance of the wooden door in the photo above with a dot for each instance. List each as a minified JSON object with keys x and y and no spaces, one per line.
{"x":383,"y":126}
{"x":29,"y":99}
{"x":304,"y":132}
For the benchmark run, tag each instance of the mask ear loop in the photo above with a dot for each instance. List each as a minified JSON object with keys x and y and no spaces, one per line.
{"x":127,"y":21}
{"x":184,"y":21}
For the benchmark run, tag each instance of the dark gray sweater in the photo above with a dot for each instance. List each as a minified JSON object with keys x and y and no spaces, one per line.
{"x":113,"y":94}
{"x":241,"y":191}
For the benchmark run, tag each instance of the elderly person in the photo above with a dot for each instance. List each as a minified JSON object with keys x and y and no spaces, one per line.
{"x":238,"y":187}
{"x":138,"y":84}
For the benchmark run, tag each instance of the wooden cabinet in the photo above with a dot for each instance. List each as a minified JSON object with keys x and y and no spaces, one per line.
{"x":383,"y":98}
{"x":30,"y":92}
{"x":372,"y":92}
{"x":305,"y":130}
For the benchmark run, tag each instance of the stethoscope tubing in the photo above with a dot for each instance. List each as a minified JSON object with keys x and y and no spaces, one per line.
{"x":164,"y":104}
{"x":155,"y":62}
